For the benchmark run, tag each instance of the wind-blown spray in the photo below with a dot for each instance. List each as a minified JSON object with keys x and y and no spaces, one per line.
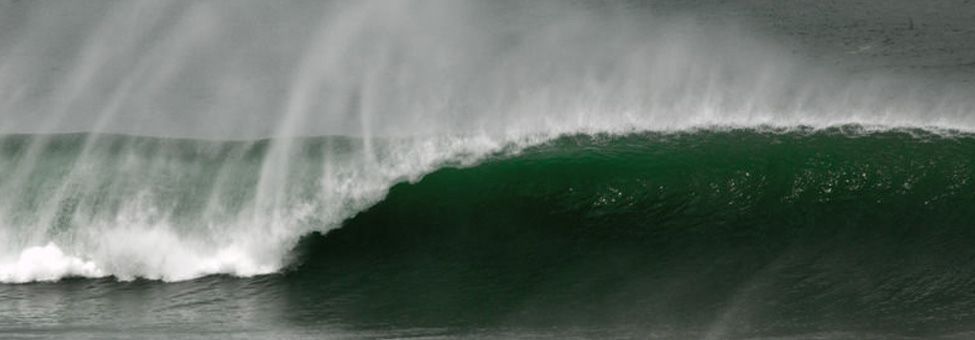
{"x":236,"y":97}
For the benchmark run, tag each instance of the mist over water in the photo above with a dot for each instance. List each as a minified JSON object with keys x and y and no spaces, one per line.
{"x":225,"y":95}
{"x":248,"y":69}
{"x":660,"y":168}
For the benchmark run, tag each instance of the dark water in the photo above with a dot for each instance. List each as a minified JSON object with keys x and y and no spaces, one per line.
{"x":841,"y":233}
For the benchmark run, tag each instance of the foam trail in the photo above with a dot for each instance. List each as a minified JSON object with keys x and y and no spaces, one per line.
{"x":413,"y":85}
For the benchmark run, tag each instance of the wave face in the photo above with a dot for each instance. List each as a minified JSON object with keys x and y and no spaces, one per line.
{"x":842,"y":232}
{"x":709,"y":234}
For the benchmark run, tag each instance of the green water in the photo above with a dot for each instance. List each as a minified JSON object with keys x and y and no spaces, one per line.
{"x":840,"y":233}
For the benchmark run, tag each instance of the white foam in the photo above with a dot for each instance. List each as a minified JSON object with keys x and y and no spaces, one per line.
{"x":159,"y":254}
{"x":46,"y":263}
{"x":451,"y":81}
{"x":119,"y":210}
{"x":130,"y":253}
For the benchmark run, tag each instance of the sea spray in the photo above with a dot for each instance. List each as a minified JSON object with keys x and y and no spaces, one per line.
{"x":396,"y":89}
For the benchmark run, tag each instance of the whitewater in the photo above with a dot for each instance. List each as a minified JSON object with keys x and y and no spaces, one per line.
{"x":172,"y":140}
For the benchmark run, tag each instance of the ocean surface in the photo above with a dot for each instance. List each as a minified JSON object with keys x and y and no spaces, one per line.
{"x":674,"y":169}
{"x":844,"y":232}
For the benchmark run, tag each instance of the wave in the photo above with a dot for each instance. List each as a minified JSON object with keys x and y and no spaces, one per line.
{"x":431,"y":163}
{"x":720,"y":233}
{"x":176,"y":209}
{"x":414,"y":87}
